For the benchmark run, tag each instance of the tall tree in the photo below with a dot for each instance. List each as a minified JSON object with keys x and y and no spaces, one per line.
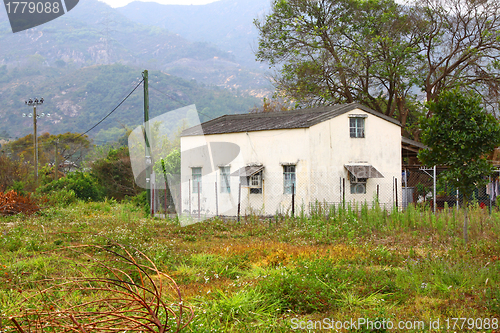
{"x":71,"y":146}
{"x":460,"y":135}
{"x":341,"y":52}
{"x":381,"y":54}
{"x":460,"y":41}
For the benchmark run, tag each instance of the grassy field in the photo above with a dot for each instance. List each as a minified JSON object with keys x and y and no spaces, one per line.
{"x":363,"y":270}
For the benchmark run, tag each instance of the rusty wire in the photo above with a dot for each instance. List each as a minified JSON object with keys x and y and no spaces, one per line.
{"x":123,"y":292}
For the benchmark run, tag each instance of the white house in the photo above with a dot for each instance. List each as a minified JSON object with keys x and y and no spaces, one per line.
{"x":334,"y":154}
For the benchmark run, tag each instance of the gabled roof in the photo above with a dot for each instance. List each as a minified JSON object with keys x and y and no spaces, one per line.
{"x":303,"y":118}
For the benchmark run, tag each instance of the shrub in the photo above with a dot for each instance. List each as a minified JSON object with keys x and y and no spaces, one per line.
{"x":84,"y":186}
{"x":114,"y":173}
{"x":63,"y":197}
{"x":13,"y":203}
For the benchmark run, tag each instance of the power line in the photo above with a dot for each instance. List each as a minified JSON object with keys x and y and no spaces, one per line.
{"x":100,"y":121}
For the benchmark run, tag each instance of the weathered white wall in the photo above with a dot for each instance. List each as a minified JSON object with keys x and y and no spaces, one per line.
{"x":319,"y":153}
{"x":269,"y":148}
{"x":333,"y":148}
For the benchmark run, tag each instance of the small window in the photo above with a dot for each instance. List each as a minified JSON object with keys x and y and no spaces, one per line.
{"x":255,"y":183}
{"x":196,"y":179}
{"x":357,"y":127}
{"x":225,"y":186}
{"x":289,"y":179}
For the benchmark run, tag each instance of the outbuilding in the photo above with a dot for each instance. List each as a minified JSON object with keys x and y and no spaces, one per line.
{"x":268,"y":163}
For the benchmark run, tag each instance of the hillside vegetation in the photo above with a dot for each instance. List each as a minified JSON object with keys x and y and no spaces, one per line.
{"x":78,"y":99}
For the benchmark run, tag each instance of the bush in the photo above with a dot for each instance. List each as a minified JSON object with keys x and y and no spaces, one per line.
{"x":82,"y":184}
{"x":114,"y":173}
{"x":63,"y":197}
{"x":140,"y":200}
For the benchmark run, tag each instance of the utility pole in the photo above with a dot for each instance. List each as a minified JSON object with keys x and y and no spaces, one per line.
{"x":35,"y":116}
{"x":149,"y":161}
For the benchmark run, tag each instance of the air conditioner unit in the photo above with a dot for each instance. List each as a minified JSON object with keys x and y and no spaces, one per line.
{"x":359,"y":188}
{"x":354,"y":179}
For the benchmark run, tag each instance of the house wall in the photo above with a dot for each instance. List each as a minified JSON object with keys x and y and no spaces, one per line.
{"x":319,"y":153}
{"x":333,"y":148}
{"x":271,"y":149}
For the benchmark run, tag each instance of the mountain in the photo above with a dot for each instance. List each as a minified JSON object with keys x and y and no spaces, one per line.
{"x":78,"y":99}
{"x":94,"y":33}
{"x":86,"y":61}
{"x":227,"y":24}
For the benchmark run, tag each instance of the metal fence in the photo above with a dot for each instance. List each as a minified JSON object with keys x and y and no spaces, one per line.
{"x":420,"y":186}
{"x":272,"y":194}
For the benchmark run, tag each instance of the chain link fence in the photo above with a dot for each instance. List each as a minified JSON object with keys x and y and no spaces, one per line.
{"x":265,"y":194}
{"x":420,"y":187}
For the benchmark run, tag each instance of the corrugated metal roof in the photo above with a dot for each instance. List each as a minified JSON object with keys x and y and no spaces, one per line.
{"x":303,"y":118}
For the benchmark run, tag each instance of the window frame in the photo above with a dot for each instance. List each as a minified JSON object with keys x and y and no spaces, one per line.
{"x":225,"y":179}
{"x":357,"y":126}
{"x":255,"y":188}
{"x":196,"y":179}
{"x":289,"y":179}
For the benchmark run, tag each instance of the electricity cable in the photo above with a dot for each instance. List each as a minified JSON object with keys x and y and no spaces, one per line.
{"x":123,"y":100}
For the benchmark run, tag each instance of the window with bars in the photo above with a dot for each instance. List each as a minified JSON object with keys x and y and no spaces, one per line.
{"x":289,"y":179}
{"x":196,"y":179}
{"x":357,"y":127}
{"x":225,"y":186}
{"x":255,"y":183}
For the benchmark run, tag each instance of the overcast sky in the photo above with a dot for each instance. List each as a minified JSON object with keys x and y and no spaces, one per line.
{"x":121,"y":3}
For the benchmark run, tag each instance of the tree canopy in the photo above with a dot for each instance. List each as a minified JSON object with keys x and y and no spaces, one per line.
{"x":460,"y":135}
{"x":379,"y":53}
{"x":71,"y":146}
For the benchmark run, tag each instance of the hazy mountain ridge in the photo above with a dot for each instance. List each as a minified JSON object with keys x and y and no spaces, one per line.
{"x":228,"y":24}
{"x":79,"y":99}
{"x":94,"y":33}
{"x":63,"y":61}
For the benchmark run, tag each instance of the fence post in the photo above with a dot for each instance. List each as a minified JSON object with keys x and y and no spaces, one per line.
{"x":490,"y":196}
{"x":239,"y":201}
{"x":340,"y":190}
{"x":343,"y":193}
{"x":166,"y":199}
{"x":396,"y":190}
{"x":216,"y":201}
{"x":153,"y":201}
{"x":199,"y":202}
{"x":293,"y":199}
{"x":378,"y":193}
{"x":434,"y":184}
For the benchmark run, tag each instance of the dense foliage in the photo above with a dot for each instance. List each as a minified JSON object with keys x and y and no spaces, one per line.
{"x":114,"y":174}
{"x":84,"y":186}
{"x":380,"y":53}
{"x":460,"y":135}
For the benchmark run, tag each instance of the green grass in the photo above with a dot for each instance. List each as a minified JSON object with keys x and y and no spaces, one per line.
{"x":258,"y":275}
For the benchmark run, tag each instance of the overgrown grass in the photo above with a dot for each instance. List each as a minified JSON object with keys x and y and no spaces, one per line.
{"x":259,"y":274}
